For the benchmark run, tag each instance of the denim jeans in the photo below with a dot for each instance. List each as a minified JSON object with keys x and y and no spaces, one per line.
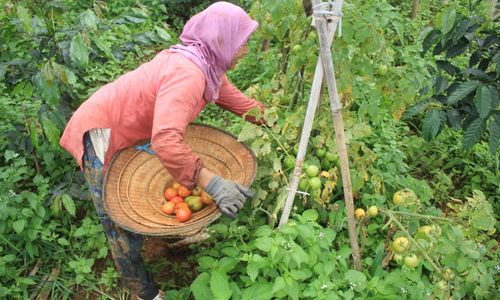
{"x":125,"y":246}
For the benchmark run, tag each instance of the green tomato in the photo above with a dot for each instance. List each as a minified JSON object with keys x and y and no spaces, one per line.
{"x":382,"y":69}
{"x":330,"y":156}
{"x":372,"y":211}
{"x":411,"y":261}
{"x":320,"y":152}
{"x":297,"y":48}
{"x":303,"y":184}
{"x":425,"y":229}
{"x":398,"y":197}
{"x":400,"y":245}
{"x":326,"y":164}
{"x":315,"y":183}
{"x":359,"y":213}
{"x":448,"y":274}
{"x":398,"y":258}
{"x":312,"y":171}
{"x":441,"y":285}
{"x":289,"y":162}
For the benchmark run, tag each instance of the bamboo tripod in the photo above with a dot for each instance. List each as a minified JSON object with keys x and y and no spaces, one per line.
{"x":327,"y":16}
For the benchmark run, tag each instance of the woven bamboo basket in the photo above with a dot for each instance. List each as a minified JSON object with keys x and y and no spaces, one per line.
{"x":135,"y":181}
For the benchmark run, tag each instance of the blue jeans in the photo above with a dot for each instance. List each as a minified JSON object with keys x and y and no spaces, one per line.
{"x":125,"y":245}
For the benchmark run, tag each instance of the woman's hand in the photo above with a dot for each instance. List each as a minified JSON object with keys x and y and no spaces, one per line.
{"x":228,"y":195}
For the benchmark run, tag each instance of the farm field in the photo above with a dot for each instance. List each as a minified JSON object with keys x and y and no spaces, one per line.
{"x":421,"y":112}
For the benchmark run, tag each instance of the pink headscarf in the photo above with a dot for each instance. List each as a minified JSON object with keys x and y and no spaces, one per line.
{"x":211,"y":38}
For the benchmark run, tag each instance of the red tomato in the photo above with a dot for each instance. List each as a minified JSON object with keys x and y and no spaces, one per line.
{"x":177,"y":199}
{"x":170,"y":193}
{"x":176,"y":185}
{"x":183,"y":191}
{"x":168,"y":207}
{"x":182,"y":213}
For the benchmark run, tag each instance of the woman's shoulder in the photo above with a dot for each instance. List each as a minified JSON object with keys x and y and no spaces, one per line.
{"x":175,"y":62}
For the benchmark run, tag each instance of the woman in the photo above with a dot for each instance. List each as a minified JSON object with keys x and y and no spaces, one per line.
{"x":157,"y":101}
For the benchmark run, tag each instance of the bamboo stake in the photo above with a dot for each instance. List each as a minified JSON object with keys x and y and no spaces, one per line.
{"x":326,"y":57}
{"x":306,"y":131}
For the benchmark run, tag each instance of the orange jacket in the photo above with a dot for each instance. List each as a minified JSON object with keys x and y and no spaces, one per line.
{"x":156,"y":101}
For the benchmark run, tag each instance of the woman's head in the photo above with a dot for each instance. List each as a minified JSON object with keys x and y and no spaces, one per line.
{"x":223,"y":28}
{"x":214,"y":39}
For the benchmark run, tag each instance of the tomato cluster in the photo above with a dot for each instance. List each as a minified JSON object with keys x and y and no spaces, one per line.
{"x":182,"y":202}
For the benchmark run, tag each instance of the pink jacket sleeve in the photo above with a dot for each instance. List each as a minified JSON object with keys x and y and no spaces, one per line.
{"x":234,"y":100}
{"x":177,"y":103}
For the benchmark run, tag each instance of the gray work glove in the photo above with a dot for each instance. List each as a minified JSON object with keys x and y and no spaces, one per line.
{"x":228,"y":195}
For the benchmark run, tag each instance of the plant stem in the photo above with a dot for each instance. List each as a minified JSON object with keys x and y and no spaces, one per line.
{"x":416,"y":215}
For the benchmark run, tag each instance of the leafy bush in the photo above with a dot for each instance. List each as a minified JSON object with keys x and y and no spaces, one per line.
{"x":464,"y":92}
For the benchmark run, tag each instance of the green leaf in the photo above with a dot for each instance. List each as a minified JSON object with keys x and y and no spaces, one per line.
{"x":279,"y":284}
{"x":292,"y":288}
{"x":484,"y":101}
{"x":102,"y":46}
{"x":494,"y":141}
{"x":454,"y":118}
{"x":429,"y":40}
{"x":414,"y":110}
{"x":34,"y":134}
{"x":78,"y":51}
{"x":253,"y":270}
{"x":19,"y":225}
{"x":478,"y":74}
{"x":264,"y":231}
{"x":461,"y":29}
{"x":69,"y":76}
{"x":219,"y":285}
{"x":69,"y":204}
{"x":432,"y":123}
{"x":88,"y":20}
{"x":163,"y":34}
{"x":447,"y":66}
{"x":249,"y":132}
{"x":299,"y":255}
{"x":356,"y":279}
{"x":483,"y":221}
{"x":3,"y":70}
{"x":200,"y":288}
{"x":25,"y":281}
{"x":457,"y":49}
{"x":258,"y":291}
{"x":448,"y":20}
{"x":463,"y":90}
{"x":62,"y":241}
{"x":300,"y":275}
{"x":473,"y":133}
{"x":51,"y":131}
{"x":48,"y":85}
{"x":441,"y":85}
{"x":264,"y":243}
{"x":310,"y":215}
{"x":24,"y":16}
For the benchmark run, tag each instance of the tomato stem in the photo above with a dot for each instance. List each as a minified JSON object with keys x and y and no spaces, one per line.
{"x":403,"y":213}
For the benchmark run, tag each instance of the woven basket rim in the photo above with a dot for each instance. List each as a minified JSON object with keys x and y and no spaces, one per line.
{"x":214,"y":217}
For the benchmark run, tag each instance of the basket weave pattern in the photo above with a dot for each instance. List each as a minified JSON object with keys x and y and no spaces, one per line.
{"x":135,"y":181}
